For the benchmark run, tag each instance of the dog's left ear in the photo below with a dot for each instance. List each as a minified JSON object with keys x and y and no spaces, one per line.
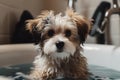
{"x":82,"y":24}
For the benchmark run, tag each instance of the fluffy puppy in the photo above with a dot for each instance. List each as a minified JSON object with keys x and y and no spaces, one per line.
{"x":59,"y":38}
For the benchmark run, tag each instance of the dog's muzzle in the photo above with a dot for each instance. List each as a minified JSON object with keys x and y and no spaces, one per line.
{"x":60,"y":46}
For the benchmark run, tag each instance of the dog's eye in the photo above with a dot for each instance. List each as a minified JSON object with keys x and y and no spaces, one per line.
{"x":50,"y":33}
{"x":67,"y":33}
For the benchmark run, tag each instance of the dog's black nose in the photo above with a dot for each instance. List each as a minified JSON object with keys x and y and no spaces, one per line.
{"x":60,"y":45}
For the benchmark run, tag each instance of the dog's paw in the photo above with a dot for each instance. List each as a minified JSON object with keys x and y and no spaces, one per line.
{"x":51,"y":70}
{"x":23,"y":76}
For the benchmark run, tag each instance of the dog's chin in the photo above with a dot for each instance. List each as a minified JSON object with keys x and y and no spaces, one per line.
{"x":54,"y":53}
{"x":60,"y":55}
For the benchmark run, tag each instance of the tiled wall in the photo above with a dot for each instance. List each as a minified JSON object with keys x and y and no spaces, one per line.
{"x":10,"y":11}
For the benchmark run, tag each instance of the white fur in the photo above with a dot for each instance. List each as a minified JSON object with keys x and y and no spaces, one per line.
{"x":41,"y":63}
{"x":58,"y":21}
{"x":63,"y":21}
{"x":51,"y":49}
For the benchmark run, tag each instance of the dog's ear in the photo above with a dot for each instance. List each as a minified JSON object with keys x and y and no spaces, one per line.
{"x":39,"y":22}
{"x":31,"y":26}
{"x":83,"y":25}
{"x":35,"y":26}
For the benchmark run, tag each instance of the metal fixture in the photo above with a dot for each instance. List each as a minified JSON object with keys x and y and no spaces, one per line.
{"x":71,"y":4}
{"x":106,"y":22}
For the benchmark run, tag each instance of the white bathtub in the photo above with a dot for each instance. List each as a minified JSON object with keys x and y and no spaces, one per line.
{"x":13,"y":54}
{"x":100,"y":55}
{"x":103,"y":55}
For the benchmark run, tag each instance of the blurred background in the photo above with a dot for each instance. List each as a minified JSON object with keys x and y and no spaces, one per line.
{"x":13,"y":12}
{"x":105,"y":15}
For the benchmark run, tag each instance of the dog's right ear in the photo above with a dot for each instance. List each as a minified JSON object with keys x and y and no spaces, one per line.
{"x":35,"y":26}
{"x":31,"y":26}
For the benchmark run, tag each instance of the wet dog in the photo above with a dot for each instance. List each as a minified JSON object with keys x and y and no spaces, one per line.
{"x":59,"y":39}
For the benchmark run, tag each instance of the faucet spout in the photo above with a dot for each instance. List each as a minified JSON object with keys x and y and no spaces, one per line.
{"x":114,"y":10}
{"x":115,"y":4}
{"x":71,"y":4}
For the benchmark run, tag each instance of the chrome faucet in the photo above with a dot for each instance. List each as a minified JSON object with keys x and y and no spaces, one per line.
{"x":71,"y":4}
{"x":115,"y":4}
{"x":103,"y":30}
{"x":106,"y":21}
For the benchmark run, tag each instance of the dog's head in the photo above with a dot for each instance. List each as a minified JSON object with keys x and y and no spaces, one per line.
{"x":59,"y":36}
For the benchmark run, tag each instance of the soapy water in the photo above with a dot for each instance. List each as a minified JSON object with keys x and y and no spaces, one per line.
{"x":97,"y":72}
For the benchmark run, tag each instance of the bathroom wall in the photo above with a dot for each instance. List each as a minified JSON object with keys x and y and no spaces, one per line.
{"x":10,"y":11}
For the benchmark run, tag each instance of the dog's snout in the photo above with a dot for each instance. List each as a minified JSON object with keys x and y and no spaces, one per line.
{"x":60,"y":44}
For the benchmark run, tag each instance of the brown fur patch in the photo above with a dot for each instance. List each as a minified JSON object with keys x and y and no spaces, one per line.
{"x":34,"y":22}
{"x":83,"y":24}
